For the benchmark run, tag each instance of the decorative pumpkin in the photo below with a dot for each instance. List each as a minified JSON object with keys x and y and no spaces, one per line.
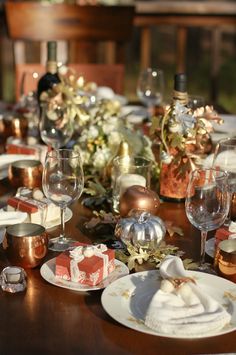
{"x":138,"y":198}
{"x":141,"y":229}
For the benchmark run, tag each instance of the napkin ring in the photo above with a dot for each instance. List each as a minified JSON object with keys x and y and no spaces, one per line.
{"x":177,"y":282}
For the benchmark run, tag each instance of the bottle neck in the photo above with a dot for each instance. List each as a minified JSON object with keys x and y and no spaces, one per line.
{"x":51,"y":67}
{"x":181,"y":97}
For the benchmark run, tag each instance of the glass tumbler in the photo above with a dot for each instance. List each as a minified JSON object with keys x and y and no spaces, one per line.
{"x":129,"y":171}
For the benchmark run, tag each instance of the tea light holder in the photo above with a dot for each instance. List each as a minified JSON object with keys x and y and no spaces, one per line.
{"x":225,"y":259}
{"x":13,"y":279}
{"x":129,"y":171}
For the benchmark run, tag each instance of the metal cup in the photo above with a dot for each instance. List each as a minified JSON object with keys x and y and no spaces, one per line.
{"x":27,"y":173}
{"x":15,"y":125}
{"x":26,"y":244}
{"x":225,"y":259}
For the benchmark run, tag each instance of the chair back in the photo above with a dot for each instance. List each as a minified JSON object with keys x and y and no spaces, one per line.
{"x":39,"y":21}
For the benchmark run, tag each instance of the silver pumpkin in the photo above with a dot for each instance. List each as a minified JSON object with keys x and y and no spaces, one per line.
{"x":142,"y":230}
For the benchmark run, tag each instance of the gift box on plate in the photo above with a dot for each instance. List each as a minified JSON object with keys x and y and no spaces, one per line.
{"x":38,"y":150}
{"x":224,"y":233}
{"x":85,"y":264}
{"x":39,"y":211}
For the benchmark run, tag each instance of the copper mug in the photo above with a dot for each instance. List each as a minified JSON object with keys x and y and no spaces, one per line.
{"x":225,"y":259}
{"x":15,"y":125}
{"x":27,"y":173}
{"x":26,"y":244}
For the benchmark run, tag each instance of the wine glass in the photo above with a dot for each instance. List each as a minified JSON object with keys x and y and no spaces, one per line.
{"x":55,"y":125}
{"x":207,"y":203}
{"x":150,"y":88}
{"x":63,"y":183}
{"x":225,"y":159}
{"x":28,"y":100}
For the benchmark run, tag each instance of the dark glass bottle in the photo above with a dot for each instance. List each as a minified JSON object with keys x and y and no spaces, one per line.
{"x":180,"y":89}
{"x":173,"y":184}
{"x":51,"y":77}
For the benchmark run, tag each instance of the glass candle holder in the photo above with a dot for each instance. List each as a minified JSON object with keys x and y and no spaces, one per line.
{"x":225,"y":259}
{"x":13,"y":279}
{"x":129,"y":171}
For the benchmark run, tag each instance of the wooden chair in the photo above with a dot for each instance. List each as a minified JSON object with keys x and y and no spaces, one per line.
{"x":79,"y":31}
{"x":38,"y":21}
{"x":111,"y":75}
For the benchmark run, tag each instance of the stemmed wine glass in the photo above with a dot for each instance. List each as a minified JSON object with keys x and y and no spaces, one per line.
{"x":56,"y":125}
{"x":28,"y":100}
{"x":63,"y":183}
{"x":225,"y":159}
{"x":150,"y":87}
{"x":207,"y":203}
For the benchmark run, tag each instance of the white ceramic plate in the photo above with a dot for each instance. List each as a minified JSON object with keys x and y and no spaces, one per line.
{"x":47,"y":271}
{"x":126,"y":300}
{"x":210,"y":247}
{"x":57,"y":222}
{"x":133,"y":113}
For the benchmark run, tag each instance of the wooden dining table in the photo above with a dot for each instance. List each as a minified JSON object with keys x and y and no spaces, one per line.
{"x":46,"y":319}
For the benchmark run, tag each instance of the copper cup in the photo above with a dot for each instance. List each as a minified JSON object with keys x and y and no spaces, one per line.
{"x":27,"y":173}
{"x":26,"y":244}
{"x":16,"y":126}
{"x":225,"y":259}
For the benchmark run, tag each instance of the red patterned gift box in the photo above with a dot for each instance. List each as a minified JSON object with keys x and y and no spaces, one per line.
{"x":223,"y":233}
{"x":85,"y":264}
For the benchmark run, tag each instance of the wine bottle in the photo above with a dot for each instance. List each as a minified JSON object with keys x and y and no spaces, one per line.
{"x":180,"y":89}
{"x":175,"y":169}
{"x":51,"y":77}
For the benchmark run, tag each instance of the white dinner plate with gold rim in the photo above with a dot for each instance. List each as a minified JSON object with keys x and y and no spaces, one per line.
{"x":47,"y":271}
{"x":57,"y":221}
{"x":126,"y":300}
{"x":210,"y":247}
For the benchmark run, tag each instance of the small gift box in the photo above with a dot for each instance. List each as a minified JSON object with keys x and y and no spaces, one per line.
{"x":38,"y":150}
{"x":39,"y":211}
{"x":85,"y":264}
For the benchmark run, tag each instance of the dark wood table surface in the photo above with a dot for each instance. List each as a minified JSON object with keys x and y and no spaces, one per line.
{"x":46,"y":319}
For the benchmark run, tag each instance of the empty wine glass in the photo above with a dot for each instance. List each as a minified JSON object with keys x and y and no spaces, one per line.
{"x":150,"y":88}
{"x":56,"y":125}
{"x":28,"y":100}
{"x":63,"y":183}
{"x":28,"y":84}
{"x":207,"y":204}
{"x":225,"y":159}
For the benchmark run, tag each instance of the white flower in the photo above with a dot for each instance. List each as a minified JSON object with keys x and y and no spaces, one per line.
{"x":175,"y":127}
{"x":111,"y":125}
{"x":166,"y":158}
{"x":63,"y":70}
{"x":92,"y":132}
{"x":114,"y":140}
{"x":101,"y":157}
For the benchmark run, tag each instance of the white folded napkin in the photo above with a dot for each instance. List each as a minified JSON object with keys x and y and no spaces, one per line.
{"x":8,"y":218}
{"x":183,"y":310}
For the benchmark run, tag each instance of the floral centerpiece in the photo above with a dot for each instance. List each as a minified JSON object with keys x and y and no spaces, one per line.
{"x":183,"y":138}
{"x":99,"y":127}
